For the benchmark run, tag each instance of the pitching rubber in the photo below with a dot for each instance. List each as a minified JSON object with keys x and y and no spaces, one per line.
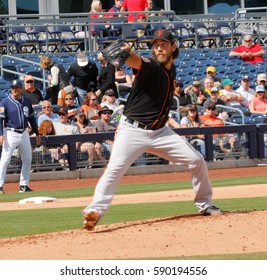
{"x":90,"y":220}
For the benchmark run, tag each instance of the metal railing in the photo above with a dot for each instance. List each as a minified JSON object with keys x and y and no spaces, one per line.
{"x":16,"y":58}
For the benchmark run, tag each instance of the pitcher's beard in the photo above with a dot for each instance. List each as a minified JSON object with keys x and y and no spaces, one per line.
{"x":163,"y":60}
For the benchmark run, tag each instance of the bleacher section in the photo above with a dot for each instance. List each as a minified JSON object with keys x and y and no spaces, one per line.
{"x":202,"y":41}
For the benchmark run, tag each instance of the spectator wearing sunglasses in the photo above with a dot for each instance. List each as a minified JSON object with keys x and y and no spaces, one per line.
{"x":249,"y":52}
{"x":91,"y":107}
{"x":70,"y":106}
{"x":31,"y":92}
{"x":262,"y":80}
{"x":215,"y":100}
{"x":47,"y":113}
{"x":209,"y":118}
{"x":180,"y":98}
{"x":104,"y":125}
{"x":109,"y":100}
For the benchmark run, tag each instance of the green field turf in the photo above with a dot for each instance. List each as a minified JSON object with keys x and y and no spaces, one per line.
{"x":38,"y":221}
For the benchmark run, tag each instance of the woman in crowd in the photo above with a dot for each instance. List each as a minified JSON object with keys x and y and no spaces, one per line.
{"x":91,"y":107}
{"x":94,"y":149}
{"x":258,"y":104}
{"x":192,"y":119}
{"x":49,"y":154}
{"x":59,"y":81}
{"x":123,"y":82}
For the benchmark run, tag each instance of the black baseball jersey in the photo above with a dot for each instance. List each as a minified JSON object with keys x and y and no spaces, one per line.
{"x":151,"y":95}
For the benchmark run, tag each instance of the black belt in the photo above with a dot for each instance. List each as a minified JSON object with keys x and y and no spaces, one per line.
{"x":18,"y":130}
{"x":138,"y":124}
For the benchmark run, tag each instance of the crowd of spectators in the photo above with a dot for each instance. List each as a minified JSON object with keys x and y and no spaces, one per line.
{"x":87,"y":99}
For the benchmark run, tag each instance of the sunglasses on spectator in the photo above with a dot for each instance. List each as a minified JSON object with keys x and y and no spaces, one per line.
{"x":62,"y":114}
{"x":212,"y":109}
{"x":69,"y":98}
{"x":192,"y":110}
{"x":179,"y":85}
{"x":106,"y":113}
{"x":29,"y":82}
{"x":47,"y":107}
{"x":111,"y":95}
{"x":262,"y":81}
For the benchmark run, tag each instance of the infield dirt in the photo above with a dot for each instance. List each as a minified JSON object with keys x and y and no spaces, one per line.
{"x":187,"y":235}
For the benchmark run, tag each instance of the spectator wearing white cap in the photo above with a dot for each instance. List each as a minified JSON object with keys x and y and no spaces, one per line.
{"x":245,"y":91}
{"x":258,"y":104}
{"x":84,"y":72}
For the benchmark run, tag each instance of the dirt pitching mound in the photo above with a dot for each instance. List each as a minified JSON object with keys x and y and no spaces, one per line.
{"x":186,"y":235}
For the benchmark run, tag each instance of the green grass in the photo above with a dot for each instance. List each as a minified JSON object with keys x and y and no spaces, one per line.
{"x":29,"y":222}
{"x":38,"y":221}
{"x":249,"y":256}
{"x":133,"y":188}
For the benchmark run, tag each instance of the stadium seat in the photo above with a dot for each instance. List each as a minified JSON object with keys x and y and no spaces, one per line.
{"x":103,"y":35}
{"x":184,"y":34}
{"x":206,"y":36}
{"x":24,"y":39}
{"x":229,"y":37}
{"x":70,"y":42}
{"x":258,"y":118}
{"x":47,"y":43}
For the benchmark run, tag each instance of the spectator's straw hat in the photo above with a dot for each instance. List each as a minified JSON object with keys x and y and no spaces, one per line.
{"x":103,"y":110}
{"x":196,"y":83}
{"x":262,"y":77}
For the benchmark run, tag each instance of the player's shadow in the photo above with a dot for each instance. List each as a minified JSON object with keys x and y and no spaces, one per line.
{"x":115,"y":227}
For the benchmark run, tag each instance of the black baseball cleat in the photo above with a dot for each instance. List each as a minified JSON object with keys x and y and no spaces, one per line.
{"x":23,"y":189}
{"x":1,"y":190}
{"x":212,"y":210}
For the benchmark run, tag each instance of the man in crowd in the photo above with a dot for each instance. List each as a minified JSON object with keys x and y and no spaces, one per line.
{"x":31,"y":92}
{"x":249,"y":52}
{"x":84,"y":72}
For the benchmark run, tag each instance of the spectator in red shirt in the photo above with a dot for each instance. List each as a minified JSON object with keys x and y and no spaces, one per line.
{"x":135,"y":6}
{"x":249,"y":52}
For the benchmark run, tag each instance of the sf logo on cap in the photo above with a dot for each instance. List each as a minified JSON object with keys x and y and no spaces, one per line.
{"x":160,"y":33}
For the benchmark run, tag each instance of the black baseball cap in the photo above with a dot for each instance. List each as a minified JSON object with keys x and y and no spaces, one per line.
{"x":16,"y":83}
{"x":212,"y":106}
{"x":63,"y":111}
{"x":164,"y":35}
{"x":109,"y":91}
